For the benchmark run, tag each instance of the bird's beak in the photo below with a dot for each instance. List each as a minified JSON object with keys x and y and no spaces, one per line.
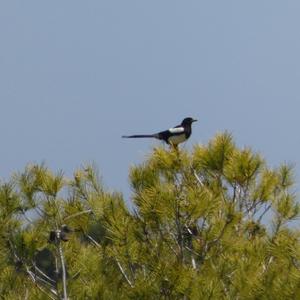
{"x":194,"y":120}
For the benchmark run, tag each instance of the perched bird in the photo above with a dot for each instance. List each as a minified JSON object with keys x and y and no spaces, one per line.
{"x":172,"y":136}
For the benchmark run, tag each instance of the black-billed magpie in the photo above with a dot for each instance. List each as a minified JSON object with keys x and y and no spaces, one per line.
{"x":172,"y":136}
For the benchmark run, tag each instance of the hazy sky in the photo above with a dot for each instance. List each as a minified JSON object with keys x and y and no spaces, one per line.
{"x":76,"y":75}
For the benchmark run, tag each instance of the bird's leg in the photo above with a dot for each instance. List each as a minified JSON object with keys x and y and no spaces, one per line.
{"x":174,"y":146}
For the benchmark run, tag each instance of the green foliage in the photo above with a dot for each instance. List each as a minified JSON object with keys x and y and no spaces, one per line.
{"x":213,"y":223}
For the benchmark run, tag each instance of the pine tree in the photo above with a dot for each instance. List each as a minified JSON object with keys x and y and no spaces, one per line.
{"x":212,"y":223}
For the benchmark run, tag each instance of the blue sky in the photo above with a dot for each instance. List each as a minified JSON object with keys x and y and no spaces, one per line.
{"x":76,"y":75}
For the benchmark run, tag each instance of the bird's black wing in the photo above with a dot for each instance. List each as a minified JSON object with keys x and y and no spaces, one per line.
{"x":174,"y":131}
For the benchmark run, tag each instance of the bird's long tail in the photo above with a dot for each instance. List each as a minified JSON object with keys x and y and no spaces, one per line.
{"x":140,"y":136}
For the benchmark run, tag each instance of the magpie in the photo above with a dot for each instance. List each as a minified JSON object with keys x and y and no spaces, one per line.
{"x":173,"y":136}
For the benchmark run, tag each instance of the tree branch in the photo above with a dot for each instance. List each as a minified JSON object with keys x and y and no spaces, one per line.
{"x":264,"y":212}
{"x":64,"y":275}
{"x":197,"y":177}
{"x":32,"y":276}
{"x":123,"y":273}
{"x":88,"y":211}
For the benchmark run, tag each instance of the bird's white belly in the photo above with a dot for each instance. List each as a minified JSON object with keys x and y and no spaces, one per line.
{"x":177,"y":139}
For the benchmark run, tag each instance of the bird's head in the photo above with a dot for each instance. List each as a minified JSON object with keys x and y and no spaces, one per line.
{"x":188,"y":121}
